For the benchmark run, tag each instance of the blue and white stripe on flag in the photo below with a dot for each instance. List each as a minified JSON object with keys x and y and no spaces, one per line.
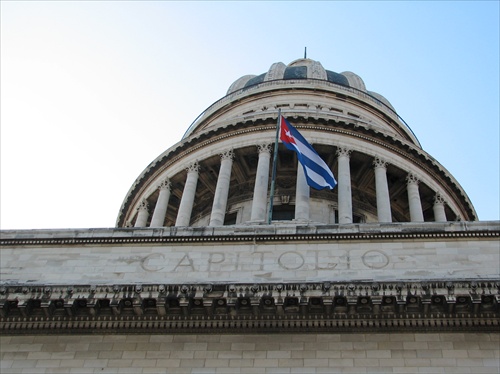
{"x":317,"y":172}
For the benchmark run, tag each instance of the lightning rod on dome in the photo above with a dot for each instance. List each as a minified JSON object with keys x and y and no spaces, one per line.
{"x":305,"y":52}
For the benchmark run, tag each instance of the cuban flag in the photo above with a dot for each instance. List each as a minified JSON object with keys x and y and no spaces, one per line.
{"x":318,"y":174}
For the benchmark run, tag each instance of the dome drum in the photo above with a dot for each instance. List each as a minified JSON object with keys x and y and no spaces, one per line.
{"x":323,"y":203}
{"x":303,"y":103}
{"x":305,"y":93}
{"x":219,"y":175}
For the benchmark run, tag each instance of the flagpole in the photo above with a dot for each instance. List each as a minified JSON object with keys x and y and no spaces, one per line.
{"x":273,"y":179}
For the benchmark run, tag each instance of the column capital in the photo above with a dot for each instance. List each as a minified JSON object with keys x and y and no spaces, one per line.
{"x":412,"y":178}
{"x":227,"y":155}
{"x":165,"y":184}
{"x":193,"y":167}
{"x":439,"y":199}
{"x":264,"y":148}
{"x":143,"y":205}
{"x":379,"y":162}
{"x":439,"y":208}
{"x":343,"y":152}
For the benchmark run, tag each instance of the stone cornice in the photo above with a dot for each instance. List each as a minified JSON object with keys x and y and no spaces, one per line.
{"x":265,"y":233}
{"x":251,"y":238}
{"x":464,"y":305}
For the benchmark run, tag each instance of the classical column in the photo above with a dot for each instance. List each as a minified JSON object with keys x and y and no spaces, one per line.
{"x":416,"y":213}
{"x":142,"y":214}
{"x":161,"y":205}
{"x":187,"y":199}
{"x":302,"y":192}
{"x":222,"y":189}
{"x":382,"y":190}
{"x":344,"y":186}
{"x":438,"y":207}
{"x":259,"y":202}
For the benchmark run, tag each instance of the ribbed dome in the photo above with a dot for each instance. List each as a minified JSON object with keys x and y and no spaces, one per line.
{"x":305,"y":68}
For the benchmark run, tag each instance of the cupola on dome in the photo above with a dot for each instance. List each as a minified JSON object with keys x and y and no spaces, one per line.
{"x":304,"y":68}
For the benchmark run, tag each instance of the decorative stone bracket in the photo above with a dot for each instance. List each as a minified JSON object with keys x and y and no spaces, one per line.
{"x":279,"y":307}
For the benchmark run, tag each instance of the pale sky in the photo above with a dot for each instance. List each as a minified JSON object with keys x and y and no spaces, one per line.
{"x":92,"y":92}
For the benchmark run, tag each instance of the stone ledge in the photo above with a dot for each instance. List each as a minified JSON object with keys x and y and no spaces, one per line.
{"x":261,"y":233}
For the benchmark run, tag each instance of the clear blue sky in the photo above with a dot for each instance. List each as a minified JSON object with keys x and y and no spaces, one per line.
{"x":92,"y":92}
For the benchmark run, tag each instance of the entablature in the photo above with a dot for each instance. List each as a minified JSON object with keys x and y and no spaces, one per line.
{"x":328,"y":306}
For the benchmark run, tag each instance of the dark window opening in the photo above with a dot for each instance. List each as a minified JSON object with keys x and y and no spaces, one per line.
{"x":358,"y":219}
{"x":283,"y":212}
{"x":230,"y":219}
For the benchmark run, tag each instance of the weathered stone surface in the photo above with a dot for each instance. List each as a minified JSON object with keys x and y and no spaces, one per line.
{"x":252,"y":254}
{"x":280,"y":353}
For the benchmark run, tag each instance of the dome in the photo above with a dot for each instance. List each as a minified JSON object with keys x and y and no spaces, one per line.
{"x":308,"y":74}
{"x":381,"y":98}
{"x":304,"y":68}
{"x":219,"y":173}
{"x":354,"y":80}
{"x":240,"y":83}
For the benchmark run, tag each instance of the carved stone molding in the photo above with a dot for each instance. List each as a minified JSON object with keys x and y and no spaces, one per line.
{"x":173,"y":235}
{"x":285,"y":199}
{"x":436,"y":305}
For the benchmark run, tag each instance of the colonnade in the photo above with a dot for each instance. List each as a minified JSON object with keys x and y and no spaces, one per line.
{"x":302,"y":198}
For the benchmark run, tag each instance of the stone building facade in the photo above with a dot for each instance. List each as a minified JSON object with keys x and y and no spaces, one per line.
{"x":389,"y":272}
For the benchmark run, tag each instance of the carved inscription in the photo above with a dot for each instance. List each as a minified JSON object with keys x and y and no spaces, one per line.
{"x":264,"y":261}
{"x":375,"y":259}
